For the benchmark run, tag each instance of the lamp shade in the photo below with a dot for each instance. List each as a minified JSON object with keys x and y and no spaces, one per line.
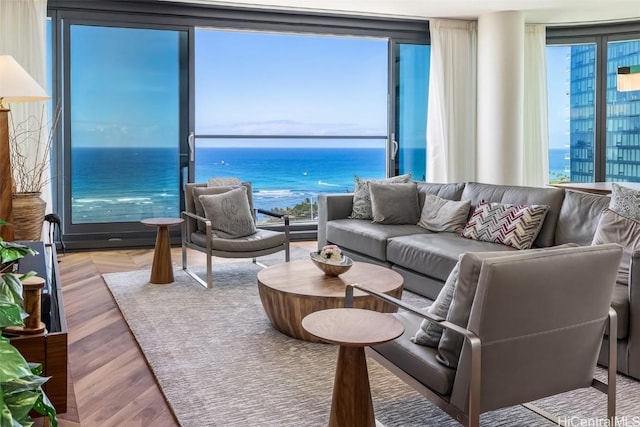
{"x":629,"y":78}
{"x":16,"y":85}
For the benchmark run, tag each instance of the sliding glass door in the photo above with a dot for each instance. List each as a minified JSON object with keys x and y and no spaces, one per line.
{"x":295,"y":114}
{"x":409,"y":141}
{"x":124,"y":124}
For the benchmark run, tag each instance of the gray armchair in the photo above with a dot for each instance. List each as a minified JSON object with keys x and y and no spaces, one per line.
{"x":534,"y":330}
{"x":199,"y":233}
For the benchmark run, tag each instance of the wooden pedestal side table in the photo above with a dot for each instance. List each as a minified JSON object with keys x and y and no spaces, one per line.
{"x":162,"y":267}
{"x":352,"y":329}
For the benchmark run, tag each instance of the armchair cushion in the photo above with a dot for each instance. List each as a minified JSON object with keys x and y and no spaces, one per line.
{"x":259,"y":241}
{"x":417,"y":360}
{"x":362,"y":196}
{"x":223,"y":181}
{"x":615,"y":228}
{"x":206,"y":191}
{"x":511,"y":225}
{"x":394,"y":204}
{"x":229,"y":213}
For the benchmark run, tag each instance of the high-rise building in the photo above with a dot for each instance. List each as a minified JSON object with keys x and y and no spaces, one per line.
{"x":622,"y":114}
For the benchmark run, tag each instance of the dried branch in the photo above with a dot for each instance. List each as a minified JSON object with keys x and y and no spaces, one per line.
{"x":31,"y":141}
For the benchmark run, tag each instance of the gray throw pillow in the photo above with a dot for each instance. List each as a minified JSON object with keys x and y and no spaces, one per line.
{"x":223,"y":180}
{"x":430,"y":332}
{"x":440,"y":214}
{"x":362,"y":196}
{"x":394,"y":203}
{"x":450,"y":345}
{"x":229,"y":213}
{"x":615,"y":228}
{"x":625,"y":201}
{"x":206,"y":191}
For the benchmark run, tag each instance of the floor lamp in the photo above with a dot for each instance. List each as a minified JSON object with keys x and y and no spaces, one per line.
{"x":16,"y":85}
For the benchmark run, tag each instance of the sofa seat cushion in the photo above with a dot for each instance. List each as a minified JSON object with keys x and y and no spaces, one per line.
{"x":365,"y":237}
{"x":417,"y":360}
{"x":260,"y":240}
{"x":435,"y":254}
{"x":620,"y":303}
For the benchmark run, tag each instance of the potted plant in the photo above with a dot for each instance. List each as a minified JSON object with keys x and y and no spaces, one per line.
{"x":31,"y":141}
{"x":20,"y":381}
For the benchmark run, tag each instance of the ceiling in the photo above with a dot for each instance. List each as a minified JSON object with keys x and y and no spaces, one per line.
{"x":552,"y":12}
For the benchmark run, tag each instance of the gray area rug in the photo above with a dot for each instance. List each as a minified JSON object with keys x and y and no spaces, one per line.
{"x":219,"y":362}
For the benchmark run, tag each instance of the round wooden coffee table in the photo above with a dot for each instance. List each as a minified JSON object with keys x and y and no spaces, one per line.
{"x":352,"y":329}
{"x":292,"y":290}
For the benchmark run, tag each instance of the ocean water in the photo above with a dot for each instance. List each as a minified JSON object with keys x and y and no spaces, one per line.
{"x":283,"y":177}
{"x":128,"y":184}
{"x":558,"y":164}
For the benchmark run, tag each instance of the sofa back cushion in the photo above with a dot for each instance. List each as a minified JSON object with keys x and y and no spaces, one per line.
{"x":445,"y":191}
{"x":579,"y":216}
{"x":519,"y":195}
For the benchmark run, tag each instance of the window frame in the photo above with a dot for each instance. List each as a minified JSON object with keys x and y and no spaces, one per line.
{"x":599,"y":35}
{"x":187,"y":17}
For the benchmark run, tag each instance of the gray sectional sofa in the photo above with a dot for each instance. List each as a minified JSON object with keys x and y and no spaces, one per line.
{"x":425,"y":258}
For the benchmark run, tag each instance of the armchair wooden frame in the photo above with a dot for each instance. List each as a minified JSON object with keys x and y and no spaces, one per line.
{"x":471,"y":418}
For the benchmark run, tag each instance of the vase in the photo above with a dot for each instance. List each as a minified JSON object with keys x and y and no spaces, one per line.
{"x":28,"y":216}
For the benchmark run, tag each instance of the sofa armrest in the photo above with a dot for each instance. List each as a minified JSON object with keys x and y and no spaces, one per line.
{"x":633,"y":346}
{"x":332,"y":206}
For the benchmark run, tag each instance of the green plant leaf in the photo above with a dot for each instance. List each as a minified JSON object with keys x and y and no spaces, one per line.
{"x":21,"y":403}
{"x":44,"y":407}
{"x":11,"y":251}
{"x":13,"y":364}
{"x":11,"y":288}
{"x":18,"y":385}
{"x":11,"y":314}
{"x":36,"y":368}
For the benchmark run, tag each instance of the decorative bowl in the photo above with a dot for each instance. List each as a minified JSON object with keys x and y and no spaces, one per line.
{"x":331,"y":268}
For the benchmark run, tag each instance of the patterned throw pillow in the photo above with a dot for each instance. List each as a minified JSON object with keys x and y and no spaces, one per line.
{"x":625,"y":201}
{"x":512,"y":225}
{"x":362,"y":196}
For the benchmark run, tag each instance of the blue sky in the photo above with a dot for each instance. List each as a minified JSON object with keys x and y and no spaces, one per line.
{"x":246,"y":83}
{"x":558,"y":77}
{"x":289,"y":84}
{"x":111,"y":104}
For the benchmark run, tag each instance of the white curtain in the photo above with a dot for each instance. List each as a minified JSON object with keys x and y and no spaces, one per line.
{"x":451,"y":117}
{"x":536,"y":131}
{"x":22,"y":35}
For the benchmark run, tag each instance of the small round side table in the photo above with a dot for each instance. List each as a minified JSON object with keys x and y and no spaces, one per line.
{"x":352,"y":329}
{"x":162,"y":267}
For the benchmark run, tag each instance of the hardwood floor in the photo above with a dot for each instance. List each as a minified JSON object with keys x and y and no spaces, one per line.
{"x":110,"y":382}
